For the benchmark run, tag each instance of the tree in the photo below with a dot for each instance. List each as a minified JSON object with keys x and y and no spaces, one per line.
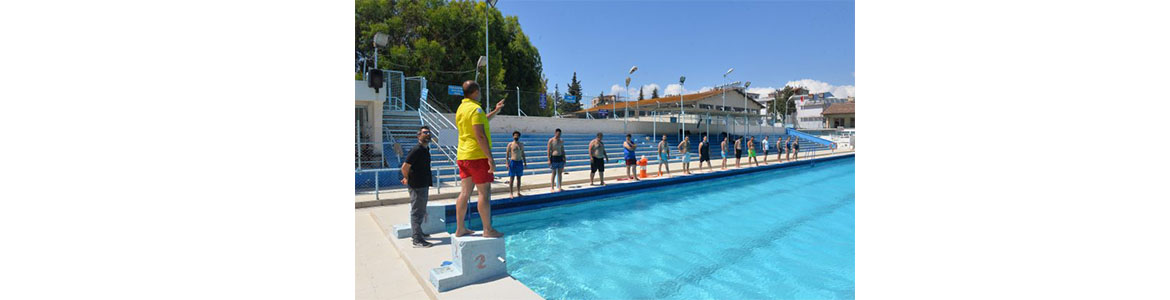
{"x":575,"y":90}
{"x":442,"y":40}
{"x":655,"y":94}
{"x":782,"y":99}
{"x":640,"y":97}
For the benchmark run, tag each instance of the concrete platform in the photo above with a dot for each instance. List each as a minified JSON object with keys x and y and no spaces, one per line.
{"x":420,"y":261}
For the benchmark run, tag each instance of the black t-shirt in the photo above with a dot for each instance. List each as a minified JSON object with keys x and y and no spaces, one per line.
{"x":419,"y":159}
{"x":704,"y":148}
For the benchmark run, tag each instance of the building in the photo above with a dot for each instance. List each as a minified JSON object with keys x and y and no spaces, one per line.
{"x":600,"y":101}
{"x":810,"y":106}
{"x":726,"y":101}
{"x":839,"y":115}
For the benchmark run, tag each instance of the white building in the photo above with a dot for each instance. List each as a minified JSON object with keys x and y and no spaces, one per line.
{"x":810,"y":106}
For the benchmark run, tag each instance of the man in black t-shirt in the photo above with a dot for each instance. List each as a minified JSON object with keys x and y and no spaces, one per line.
{"x":416,"y":175}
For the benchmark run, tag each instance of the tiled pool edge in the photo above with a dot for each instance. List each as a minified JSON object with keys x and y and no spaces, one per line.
{"x":526,"y":203}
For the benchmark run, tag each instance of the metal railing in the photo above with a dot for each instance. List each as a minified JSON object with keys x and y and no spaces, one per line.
{"x":437,"y":124}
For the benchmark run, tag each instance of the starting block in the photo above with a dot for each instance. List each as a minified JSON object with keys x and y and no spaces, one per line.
{"x":475,"y":258}
{"x":433,"y":222}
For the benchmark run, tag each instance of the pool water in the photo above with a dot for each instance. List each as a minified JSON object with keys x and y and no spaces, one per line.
{"x":778,"y":234}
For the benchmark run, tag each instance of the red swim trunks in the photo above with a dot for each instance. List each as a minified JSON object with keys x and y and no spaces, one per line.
{"x":476,"y":169}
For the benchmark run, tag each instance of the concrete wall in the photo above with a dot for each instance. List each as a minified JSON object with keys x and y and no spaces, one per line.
{"x":365,"y":97}
{"x":507,"y":124}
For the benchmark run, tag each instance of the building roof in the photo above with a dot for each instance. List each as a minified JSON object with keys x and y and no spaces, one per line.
{"x":687,"y":99}
{"x":839,"y":109}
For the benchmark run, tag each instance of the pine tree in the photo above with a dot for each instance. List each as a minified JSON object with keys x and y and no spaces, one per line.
{"x":655,"y":94}
{"x":575,"y":90}
{"x":640,"y":94}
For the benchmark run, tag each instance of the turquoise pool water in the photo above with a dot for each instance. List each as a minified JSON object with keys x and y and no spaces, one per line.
{"x":779,"y":234}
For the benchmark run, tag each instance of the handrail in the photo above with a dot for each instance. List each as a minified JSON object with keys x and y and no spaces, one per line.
{"x":437,"y":122}
{"x":813,"y":138}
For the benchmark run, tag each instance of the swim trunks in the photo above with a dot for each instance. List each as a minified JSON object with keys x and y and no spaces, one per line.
{"x":477,"y":169}
{"x":515,"y":168}
{"x":556,"y":162}
{"x":596,"y":165}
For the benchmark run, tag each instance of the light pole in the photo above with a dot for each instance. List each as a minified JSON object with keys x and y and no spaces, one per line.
{"x":615,"y":98}
{"x":681,"y":112}
{"x":635,"y":68}
{"x":487,"y":53}
{"x":746,"y":122}
{"x":626,"y":108}
{"x":380,"y":40}
{"x":723,"y":91}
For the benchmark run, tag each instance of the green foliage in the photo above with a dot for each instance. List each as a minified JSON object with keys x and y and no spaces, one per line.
{"x":442,"y":40}
{"x":567,"y":107}
{"x":782,"y":100}
{"x":655,"y":94}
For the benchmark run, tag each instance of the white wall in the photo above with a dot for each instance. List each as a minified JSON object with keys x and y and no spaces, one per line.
{"x":365,"y":97}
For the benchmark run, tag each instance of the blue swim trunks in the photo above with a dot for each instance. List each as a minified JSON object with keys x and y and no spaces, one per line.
{"x":556,"y":162}
{"x":515,"y":168}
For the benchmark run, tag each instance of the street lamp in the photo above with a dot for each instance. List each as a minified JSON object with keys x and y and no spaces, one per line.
{"x":615,"y":98}
{"x":681,"y":112}
{"x":632,"y":69}
{"x":482,"y":62}
{"x":746,"y":121}
{"x":380,"y":41}
{"x":487,"y":54}
{"x":723,"y":91}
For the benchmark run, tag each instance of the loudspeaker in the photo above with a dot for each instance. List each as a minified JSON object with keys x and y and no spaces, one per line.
{"x":374,"y":79}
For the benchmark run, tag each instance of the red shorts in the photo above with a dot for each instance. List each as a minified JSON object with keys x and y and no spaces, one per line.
{"x":476,"y":169}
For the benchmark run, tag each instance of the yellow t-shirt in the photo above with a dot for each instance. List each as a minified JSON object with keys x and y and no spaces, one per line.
{"x":467,"y":116}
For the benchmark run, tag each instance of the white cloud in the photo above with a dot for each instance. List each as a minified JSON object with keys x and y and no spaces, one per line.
{"x":816,"y":86}
{"x":673,"y":89}
{"x":647,"y":91}
{"x":761,"y":90}
{"x":706,"y":88}
{"x":617,"y":90}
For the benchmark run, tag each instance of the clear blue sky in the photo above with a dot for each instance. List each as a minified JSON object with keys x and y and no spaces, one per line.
{"x":769,"y":43}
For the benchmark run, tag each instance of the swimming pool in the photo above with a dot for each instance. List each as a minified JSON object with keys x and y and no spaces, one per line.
{"x":779,"y":234}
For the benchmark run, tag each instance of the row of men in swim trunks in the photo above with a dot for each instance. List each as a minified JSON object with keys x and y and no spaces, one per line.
{"x":788,"y":147}
{"x":517,"y":160}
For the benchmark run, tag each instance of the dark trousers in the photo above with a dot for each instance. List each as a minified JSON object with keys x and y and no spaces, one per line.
{"x":418,"y":210}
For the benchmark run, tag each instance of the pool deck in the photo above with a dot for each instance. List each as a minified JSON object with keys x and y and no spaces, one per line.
{"x":388,"y":268}
{"x":539,"y":183}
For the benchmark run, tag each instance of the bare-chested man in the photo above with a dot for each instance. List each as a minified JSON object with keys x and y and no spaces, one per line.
{"x":663,"y":156}
{"x":556,"y":160}
{"x":517,"y":161}
{"x":738,"y":150}
{"x":683,"y":148}
{"x":751,"y":145}
{"x":705,"y":153}
{"x":723,"y":151}
{"x":597,"y":158}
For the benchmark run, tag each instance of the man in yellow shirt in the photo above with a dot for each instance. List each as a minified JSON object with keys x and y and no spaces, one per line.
{"x":474,"y":158}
